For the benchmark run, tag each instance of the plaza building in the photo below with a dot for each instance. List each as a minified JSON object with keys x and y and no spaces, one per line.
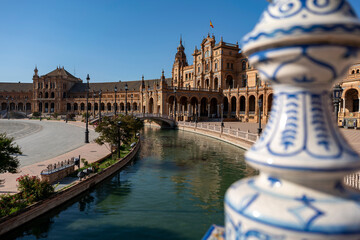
{"x":349,"y":111}
{"x":218,"y":82}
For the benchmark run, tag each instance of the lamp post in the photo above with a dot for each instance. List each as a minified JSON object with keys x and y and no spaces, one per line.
{"x":87,"y":110}
{"x":100,"y":106}
{"x":126,"y":89}
{"x":175,"y":104}
{"x":115,"y":89}
{"x":337,"y":92}
{"x":132,"y":107}
{"x":118,"y":125}
{"x":12,"y":100}
{"x":222,"y":115}
{"x":26,"y":98}
{"x":94,"y":103}
{"x":196,"y":112}
{"x":7,"y":108}
{"x":260,"y":106}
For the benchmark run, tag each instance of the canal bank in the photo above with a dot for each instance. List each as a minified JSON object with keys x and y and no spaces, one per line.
{"x":173,"y":189}
{"x":233,"y":136}
{"x":27,"y":214}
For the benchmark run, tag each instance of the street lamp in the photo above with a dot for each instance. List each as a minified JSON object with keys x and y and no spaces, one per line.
{"x":7,"y":108}
{"x":132,"y":107}
{"x":337,"y":92}
{"x":175,"y":104}
{"x":87,"y":110}
{"x":26,"y":98}
{"x":222,"y":114}
{"x":94,"y":103}
{"x":115,"y":89}
{"x":260,"y":107}
{"x":126,"y":89}
{"x":100,"y":106}
{"x":118,"y":125}
{"x":196,"y":112}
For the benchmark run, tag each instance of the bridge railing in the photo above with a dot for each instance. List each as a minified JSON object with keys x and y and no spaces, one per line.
{"x":353,"y":180}
{"x":153,"y":115}
{"x":232,"y":132}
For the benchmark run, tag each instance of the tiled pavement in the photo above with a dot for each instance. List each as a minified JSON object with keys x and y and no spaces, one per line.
{"x":91,"y":152}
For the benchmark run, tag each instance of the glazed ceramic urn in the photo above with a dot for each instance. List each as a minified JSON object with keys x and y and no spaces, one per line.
{"x":302,"y":47}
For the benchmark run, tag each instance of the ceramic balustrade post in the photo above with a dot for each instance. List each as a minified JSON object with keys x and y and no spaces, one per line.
{"x":303,"y":47}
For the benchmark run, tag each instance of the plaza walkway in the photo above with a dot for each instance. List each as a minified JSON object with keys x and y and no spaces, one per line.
{"x":91,"y":152}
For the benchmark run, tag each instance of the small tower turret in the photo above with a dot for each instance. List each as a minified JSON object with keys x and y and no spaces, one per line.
{"x":36,"y":72}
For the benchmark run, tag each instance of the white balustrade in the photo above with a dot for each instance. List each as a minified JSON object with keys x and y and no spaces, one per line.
{"x":302,"y":47}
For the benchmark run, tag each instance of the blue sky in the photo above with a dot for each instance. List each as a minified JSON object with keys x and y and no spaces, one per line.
{"x":114,"y":40}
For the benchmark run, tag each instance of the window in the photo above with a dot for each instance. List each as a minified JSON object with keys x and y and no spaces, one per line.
{"x":244,"y":81}
{"x":357,"y":71}
{"x":207,"y":54}
{"x":232,"y":66}
{"x":215,"y":66}
{"x":243,"y":65}
{"x":353,"y":72}
{"x":228,"y":65}
{"x":230,"y":53}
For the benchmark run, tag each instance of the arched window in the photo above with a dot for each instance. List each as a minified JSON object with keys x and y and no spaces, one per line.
{"x":243,"y":67}
{"x":229,"y":82}
{"x":46,"y":95}
{"x":52,"y":95}
{"x":357,"y":71}
{"x":353,"y":72}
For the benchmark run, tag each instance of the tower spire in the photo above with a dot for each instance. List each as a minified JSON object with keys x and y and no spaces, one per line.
{"x":35,"y":71}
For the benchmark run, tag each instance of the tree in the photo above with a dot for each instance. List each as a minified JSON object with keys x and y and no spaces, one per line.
{"x":108,"y":129}
{"x":8,"y":154}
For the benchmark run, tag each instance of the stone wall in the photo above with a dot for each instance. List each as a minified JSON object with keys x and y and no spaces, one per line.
{"x":15,"y":220}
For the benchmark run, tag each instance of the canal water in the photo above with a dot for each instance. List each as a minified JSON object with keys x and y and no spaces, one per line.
{"x":173,"y":190}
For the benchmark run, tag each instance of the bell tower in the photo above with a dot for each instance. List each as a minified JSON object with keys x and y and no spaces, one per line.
{"x":179,"y":64}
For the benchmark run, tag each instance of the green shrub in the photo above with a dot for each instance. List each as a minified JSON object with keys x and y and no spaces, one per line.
{"x":10,"y":204}
{"x":33,"y":189}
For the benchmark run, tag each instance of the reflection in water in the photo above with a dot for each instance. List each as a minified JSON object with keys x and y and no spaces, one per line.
{"x":173,"y":190}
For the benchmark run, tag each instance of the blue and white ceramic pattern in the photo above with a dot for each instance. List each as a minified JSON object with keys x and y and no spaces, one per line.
{"x":302,"y":47}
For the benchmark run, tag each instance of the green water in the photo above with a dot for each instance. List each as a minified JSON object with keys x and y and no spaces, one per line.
{"x":173,"y":190}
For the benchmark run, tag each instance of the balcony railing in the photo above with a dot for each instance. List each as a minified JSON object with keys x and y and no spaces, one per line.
{"x":232,"y":132}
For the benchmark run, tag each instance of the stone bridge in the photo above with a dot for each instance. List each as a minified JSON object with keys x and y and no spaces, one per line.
{"x":164,"y":121}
